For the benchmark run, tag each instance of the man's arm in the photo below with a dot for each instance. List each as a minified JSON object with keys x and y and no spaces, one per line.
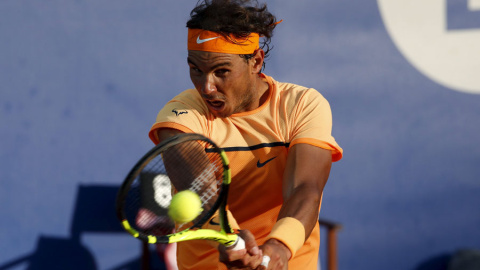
{"x":165,"y":133}
{"x":306,"y":174}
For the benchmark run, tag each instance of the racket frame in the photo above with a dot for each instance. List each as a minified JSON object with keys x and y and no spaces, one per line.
{"x":225,"y":236}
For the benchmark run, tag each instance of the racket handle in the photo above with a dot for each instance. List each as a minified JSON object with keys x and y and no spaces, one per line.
{"x":239,"y":244}
{"x":265,"y":261}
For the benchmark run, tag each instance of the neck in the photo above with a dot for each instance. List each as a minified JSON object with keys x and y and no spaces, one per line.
{"x":263,"y":90}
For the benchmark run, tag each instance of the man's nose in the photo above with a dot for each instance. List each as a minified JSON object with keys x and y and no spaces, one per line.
{"x":208,"y":85}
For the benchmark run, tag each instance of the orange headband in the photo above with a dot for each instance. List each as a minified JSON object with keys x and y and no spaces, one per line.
{"x":208,"y":41}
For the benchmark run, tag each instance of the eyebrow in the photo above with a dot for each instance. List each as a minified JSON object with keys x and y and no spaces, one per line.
{"x":222,"y":64}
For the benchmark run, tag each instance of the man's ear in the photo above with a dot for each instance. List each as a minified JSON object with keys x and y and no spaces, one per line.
{"x":257,"y":61}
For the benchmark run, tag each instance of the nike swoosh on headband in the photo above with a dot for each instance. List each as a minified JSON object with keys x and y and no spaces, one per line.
{"x":200,"y":41}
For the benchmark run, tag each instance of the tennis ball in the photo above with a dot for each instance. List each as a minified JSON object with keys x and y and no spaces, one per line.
{"x":185,"y":206}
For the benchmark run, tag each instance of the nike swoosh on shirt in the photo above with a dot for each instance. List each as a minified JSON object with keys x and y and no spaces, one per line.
{"x":261,"y":164}
{"x":213,"y":222}
{"x":200,"y":41}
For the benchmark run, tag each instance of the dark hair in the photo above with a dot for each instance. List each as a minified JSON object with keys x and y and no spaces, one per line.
{"x":237,"y":17}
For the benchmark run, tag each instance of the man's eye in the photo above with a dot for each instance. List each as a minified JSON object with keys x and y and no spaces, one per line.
{"x":221,"y":71}
{"x":194,"y":69}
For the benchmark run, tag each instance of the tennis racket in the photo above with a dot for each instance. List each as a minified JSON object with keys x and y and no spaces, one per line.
{"x":183,"y":162}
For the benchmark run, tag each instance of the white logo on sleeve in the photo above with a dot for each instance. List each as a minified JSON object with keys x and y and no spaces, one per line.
{"x":419,"y":28}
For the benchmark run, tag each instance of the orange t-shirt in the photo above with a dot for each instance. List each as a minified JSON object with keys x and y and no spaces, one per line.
{"x":256,"y":143}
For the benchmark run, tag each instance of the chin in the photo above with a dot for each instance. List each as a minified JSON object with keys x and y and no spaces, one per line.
{"x":221,"y":114}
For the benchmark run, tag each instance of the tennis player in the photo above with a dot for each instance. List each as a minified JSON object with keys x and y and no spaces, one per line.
{"x":277,"y":137}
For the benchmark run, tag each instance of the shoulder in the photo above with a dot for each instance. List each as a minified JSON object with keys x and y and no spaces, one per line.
{"x":189,"y":96}
{"x":298,"y":95}
{"x":292,"y":89}
{"x":186,"y":106}
{"x":189,"y":100}
{"x":185,"y":112}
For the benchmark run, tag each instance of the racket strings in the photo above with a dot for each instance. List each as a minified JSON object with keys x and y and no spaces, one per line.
{"x":207,"y":186}
{"x":201,"y":184}
{"x":207,"y":183}
{"x":149,"y":202}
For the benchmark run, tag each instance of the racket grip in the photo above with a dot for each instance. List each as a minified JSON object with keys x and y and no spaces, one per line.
{"x":265,"y":261}
{"x":239,"y":244}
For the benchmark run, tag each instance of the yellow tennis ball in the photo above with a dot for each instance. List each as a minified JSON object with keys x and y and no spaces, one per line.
{"x":185,"y":206}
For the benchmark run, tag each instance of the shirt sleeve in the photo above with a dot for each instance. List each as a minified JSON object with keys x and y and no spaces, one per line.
{"x":313,"y":123}
{"x":186,"y":112}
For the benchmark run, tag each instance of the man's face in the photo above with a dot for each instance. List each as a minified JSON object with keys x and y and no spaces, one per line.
{"x":226,"y":82}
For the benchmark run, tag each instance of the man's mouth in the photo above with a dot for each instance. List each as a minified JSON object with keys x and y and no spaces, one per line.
{"x":215,"y":104}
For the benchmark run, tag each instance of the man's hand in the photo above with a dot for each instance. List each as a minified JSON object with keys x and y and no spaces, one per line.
{"x":279,"y":255}
{"x":248,"y":258}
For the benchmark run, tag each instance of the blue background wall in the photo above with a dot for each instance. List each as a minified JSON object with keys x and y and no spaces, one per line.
{"x":81,"y":82}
